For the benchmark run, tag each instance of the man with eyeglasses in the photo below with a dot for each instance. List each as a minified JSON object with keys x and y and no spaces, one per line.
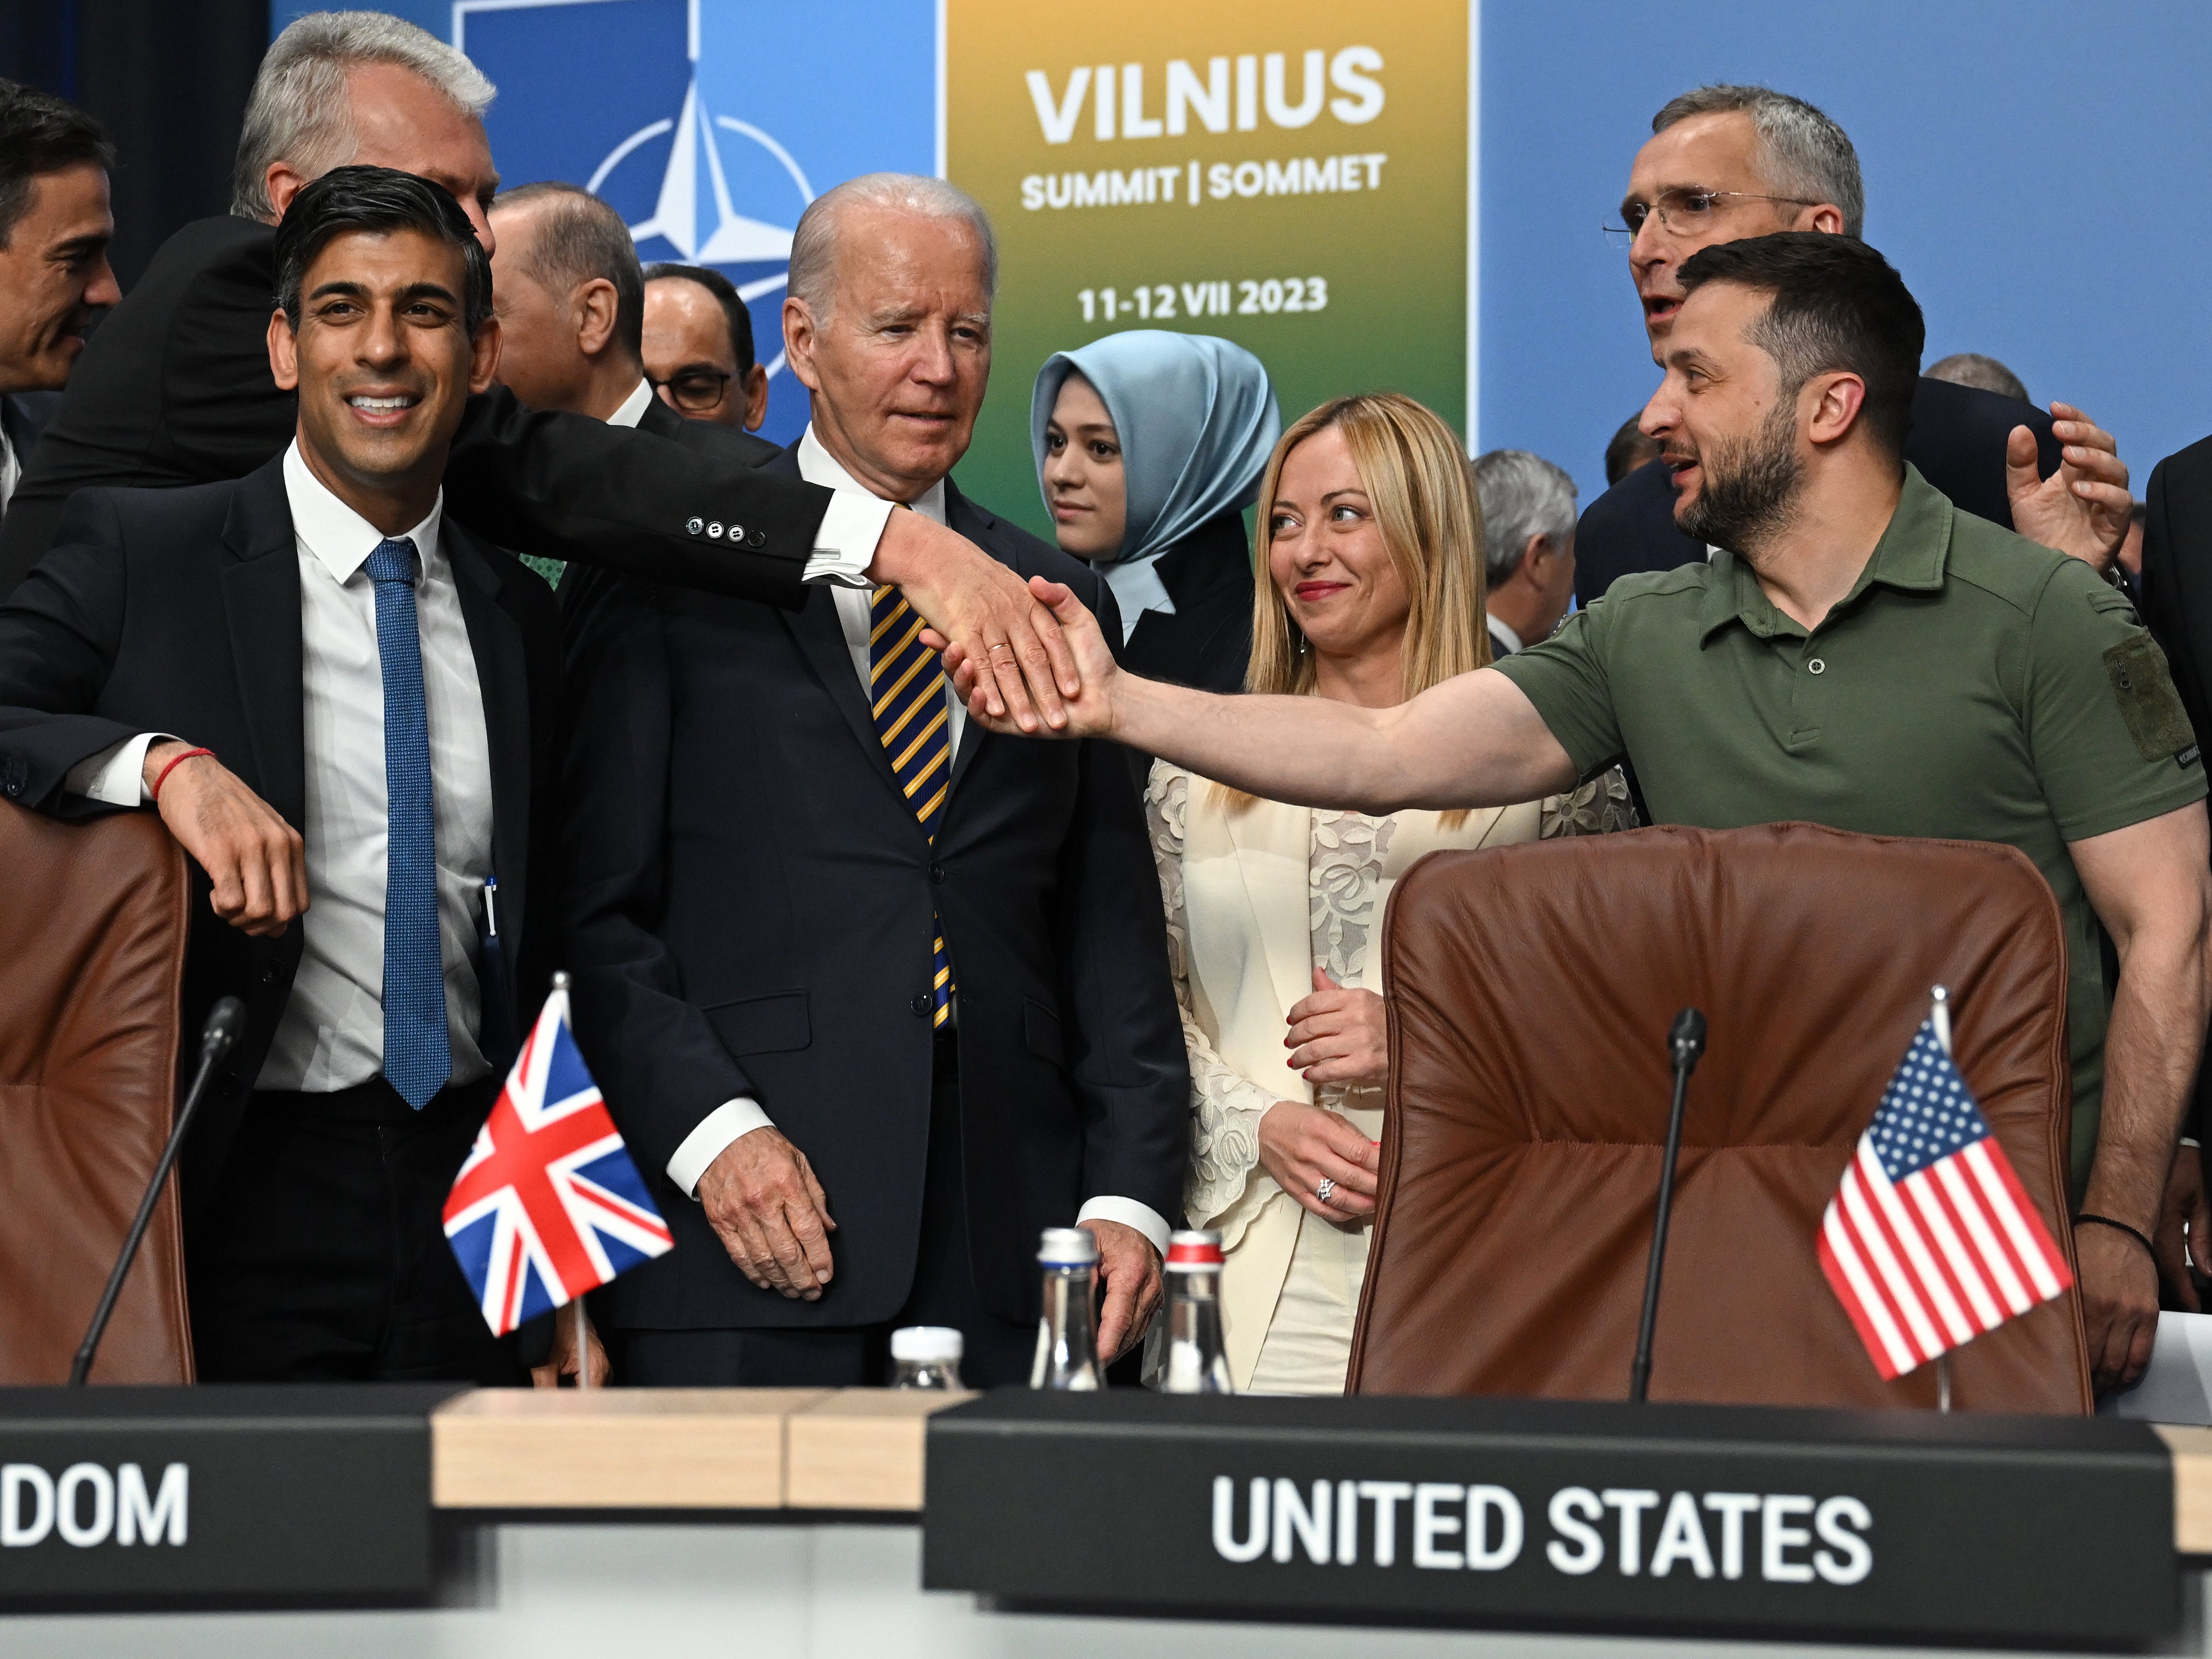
{"x":699,"y":349}
{"x":1726,"y":162}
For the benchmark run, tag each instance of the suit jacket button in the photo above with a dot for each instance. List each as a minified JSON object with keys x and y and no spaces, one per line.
{"x":756,"y":539}
{"x":14,"y":785}
{"x":694,"y":525}
{"x":714,"y":531}
{"x":920,"y":1005}
{"x":937,"y":873}
{"x":269,"y":973}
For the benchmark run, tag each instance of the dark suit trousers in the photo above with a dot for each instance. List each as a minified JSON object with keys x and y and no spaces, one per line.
{"x":997,"y":1351}
{"x":322,"y":1256}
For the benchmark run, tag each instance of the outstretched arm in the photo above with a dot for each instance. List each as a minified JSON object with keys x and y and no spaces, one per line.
{"x":1474,"y":741}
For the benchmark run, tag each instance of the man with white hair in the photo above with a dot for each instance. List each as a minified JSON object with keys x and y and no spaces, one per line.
{"x":1529,"y":546}
{"x":175,"y":388}
{"x":1726,"y":162}
{"x":839,"y":952}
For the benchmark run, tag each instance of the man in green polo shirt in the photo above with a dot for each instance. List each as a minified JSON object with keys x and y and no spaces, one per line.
{"x":1869,"y":658}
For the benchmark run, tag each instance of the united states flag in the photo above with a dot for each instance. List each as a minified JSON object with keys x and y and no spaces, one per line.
{"x":549,"y":1204}
{"x":1931,"y":1240}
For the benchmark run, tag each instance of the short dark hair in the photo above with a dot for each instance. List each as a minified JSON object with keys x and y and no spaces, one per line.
{"x":40,"y":134}
{"x":733,"y":306}
{"x":580,"y":238}
{"x":1628,"y":449}
{"x":1836,"y":304}
{"x":361,"y":198}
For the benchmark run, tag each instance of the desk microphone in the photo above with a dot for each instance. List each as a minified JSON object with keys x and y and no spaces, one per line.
{"x":224,"y":1022}
{"x":1687,"y":1042}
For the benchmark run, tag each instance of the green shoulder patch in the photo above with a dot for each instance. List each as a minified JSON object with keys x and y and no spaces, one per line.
{"x":2144,"y":690}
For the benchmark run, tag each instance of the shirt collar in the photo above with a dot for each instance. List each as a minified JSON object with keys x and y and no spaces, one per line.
{"x":817,"y":466}
{"x":1511,"y":641}
{"x":633,"y":407}
{"x":341,"y":539}
{"x":1911,"y":556}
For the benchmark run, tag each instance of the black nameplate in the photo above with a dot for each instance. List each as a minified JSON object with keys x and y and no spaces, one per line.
{"x":1685,"y":1519}
{"x":115,"y":1498}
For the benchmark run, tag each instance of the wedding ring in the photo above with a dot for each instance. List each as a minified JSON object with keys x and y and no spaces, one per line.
{"x":1324,"y":1190}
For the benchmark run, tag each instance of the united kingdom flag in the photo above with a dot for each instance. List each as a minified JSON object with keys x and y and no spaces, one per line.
{"x":549,"y":1204}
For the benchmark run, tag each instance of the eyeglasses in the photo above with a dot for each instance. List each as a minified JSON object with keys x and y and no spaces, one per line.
{"x":1684,"y":212}
{"x":694,"y":391}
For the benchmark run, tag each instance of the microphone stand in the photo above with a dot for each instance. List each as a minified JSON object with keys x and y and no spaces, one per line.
{"x":1688,"y":1042}
{"x":224,"y":1022}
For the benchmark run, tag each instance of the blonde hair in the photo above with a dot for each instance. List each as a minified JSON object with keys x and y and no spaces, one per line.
{"x":1422,"y":490}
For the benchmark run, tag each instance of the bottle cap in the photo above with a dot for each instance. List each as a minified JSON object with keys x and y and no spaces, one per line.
{"x":1194,"y":1252}
{"x":1067,"y":1247}
{"x":925,"y":1345}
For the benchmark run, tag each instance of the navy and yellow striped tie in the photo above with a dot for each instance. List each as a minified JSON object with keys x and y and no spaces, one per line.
{"x":913,"y":721}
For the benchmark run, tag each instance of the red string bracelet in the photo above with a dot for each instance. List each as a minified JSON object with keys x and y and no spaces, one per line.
{"x":163,"y":776}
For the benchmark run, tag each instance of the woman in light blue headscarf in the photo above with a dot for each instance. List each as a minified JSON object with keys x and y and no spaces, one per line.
{"x":1149,"y":447}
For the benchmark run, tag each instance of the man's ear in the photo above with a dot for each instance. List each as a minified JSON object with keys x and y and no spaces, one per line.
{"x":283,"y":352}
{"x":798,"y":337}
{"x":282,"y":182}
{"x":597,"y":306}
{"x":756,"y":385}
{"x":483,"y":354}
{"x":1837,"y":399}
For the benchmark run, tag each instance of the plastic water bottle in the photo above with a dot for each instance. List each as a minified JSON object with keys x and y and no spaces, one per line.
{"x":1196,"y":1364}
{"x":927,"y":1357}
{"x":1068,"y":1335}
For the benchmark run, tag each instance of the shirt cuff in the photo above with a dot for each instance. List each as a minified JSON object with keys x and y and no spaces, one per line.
{"x":716,"y":1130}
{"x":1130,"y":1214}
{"x":115,"y":777}
{"x":845,"y":546}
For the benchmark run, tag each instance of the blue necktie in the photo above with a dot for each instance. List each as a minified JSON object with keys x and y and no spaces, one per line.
{"x":418,"y":1053}
{"x":912,"y":721}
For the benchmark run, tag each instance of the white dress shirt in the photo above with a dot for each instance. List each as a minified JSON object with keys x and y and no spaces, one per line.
{"x":632,"y":410}
{"x":332,"y":1035}
{"x":11,"y":470}
{"x":742,"y":1115}
{"x":1505,"y":641}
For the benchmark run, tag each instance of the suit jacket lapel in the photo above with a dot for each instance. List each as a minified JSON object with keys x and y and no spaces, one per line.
{"x":503,"y":679}
{"x":261,"y":601}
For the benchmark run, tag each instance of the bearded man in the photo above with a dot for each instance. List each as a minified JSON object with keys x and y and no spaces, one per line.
{"x":1861,"y":654}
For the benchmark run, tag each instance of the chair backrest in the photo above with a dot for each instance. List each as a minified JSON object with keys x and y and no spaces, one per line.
{"x":92,"y":959}
{"x":1531,"y":989}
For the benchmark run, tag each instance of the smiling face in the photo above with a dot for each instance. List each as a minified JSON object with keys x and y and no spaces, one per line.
{"x":898,"y":367}
{"x":383,"y":362}
{"x":1327,"y":557}
{"x":1727,"y":433}
{"x":1085,"y":484}
{"x":1706,"y":154}
{"x":54,"y":271}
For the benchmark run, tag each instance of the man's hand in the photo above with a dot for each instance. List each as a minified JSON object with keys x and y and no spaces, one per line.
{"x":562,"y":1362}
{"x":2119,"y":1305}
{"x":972,"y":601}
{"x":1339,"y":1036}
{"x":1302,"y":1146}
{"x":1089,"y":709}
{"x":2081,"y":508}
{"x":257,"y":861}
{"x":1129,"y":1269}
{"x":2185,"y":1229}
{"x":765,"y":1204}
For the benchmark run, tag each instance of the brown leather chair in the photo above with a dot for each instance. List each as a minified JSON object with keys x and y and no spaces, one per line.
{"x":1531,"y":989}
{"x":92,"y":959}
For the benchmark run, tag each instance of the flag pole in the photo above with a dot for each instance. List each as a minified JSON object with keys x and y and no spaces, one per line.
{"x":576,"y":1307}
{"x":1939,"y":1016}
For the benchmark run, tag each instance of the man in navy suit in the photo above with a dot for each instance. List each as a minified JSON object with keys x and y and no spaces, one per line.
{"x":886,"y":995}
{"x":344,"y":707}
{"x":55,"y":227}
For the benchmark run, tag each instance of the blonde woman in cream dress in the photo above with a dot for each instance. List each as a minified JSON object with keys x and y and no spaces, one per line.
{"x":1369,"y":590}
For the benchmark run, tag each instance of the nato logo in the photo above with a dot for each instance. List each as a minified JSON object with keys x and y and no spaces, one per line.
{"x":710,"y":125}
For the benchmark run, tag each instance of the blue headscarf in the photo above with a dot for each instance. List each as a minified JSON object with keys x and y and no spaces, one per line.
{"x":1196,"y":418}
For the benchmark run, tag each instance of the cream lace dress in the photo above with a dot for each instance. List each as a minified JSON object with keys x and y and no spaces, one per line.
{"x":1352,"y":861}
